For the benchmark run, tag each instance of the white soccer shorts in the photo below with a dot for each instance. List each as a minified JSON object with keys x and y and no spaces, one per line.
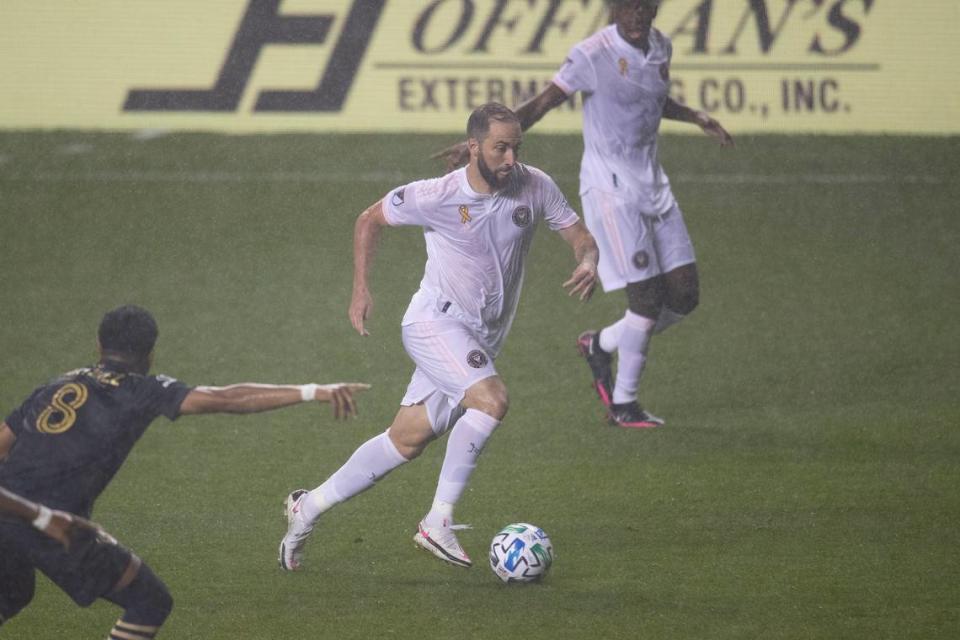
{"x":449,"y":361}
{"x":634,"y":247}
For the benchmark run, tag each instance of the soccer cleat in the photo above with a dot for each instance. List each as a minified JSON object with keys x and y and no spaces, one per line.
{"x":588,"y":344}
{"x":630,"y":415}
{"x":298,"y":529}
{"x":442,"y":542}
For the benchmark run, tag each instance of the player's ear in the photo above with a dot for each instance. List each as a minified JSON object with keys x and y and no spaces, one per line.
{"x":474,"y":145}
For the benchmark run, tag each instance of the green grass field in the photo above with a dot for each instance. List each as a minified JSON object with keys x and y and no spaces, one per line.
{"x":807,"y":484}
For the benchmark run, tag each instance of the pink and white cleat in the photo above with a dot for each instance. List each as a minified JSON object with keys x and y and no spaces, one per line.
{"x":298,"y":530}
{"x":442,"y":542}
{"x":588,"y":344}
{"x":631,"y":416}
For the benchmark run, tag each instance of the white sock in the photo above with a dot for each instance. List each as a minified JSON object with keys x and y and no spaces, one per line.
{"x":667,"y":319}
{"x":372,"y":460}
{"x":610,"y":336}
{"x":464,"y":446}
{"x":631,"y":356}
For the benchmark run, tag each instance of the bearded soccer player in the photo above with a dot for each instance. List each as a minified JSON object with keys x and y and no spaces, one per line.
{"x":63,"y":445}
{"x":478,"y":224}
{"x":623,"y":75}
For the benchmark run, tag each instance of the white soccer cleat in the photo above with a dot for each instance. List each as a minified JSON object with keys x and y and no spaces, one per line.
{"x":442,"y":542}
{"x":298,"y":530}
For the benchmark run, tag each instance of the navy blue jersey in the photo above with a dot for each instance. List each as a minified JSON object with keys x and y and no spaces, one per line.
{"x":74,"y":432}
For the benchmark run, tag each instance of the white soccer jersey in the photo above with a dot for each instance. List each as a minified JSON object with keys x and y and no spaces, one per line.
{"x":623,"y":96}
{"x":476,"y":245}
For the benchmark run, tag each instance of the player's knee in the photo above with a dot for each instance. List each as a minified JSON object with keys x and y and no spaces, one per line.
{"x":499,"y":405}
{"x":409,"y":448}
{"x":647,"y":297}
{"x":411,"y":431}
{"x":494,"y":402}
{"x":684,"y":301}
{"x":682,"y":289}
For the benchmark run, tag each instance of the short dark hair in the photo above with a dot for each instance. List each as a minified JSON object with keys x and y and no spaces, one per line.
{"x":128,"y":329}
{"x":613,"y":4}
{"x":478,"y":125}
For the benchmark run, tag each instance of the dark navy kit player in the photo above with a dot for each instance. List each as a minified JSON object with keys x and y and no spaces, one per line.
{"x":63,"y":445}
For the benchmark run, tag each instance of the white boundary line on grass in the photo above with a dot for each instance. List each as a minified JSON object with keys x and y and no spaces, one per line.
{"x":399,"y":177}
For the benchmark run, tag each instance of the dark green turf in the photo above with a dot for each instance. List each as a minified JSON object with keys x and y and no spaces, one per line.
{"x":806,"y":485}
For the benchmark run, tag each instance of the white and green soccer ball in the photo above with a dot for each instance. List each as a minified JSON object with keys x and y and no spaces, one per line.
{"x":521,"y":552}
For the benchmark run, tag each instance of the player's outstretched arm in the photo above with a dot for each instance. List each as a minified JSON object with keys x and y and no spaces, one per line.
{"x":59,"y":525}
{"x":530,"y":112}
{"x":252,"y":397}
{"x":673,"y":110}
{"x":453,"y":157}
{"x":366,"y":238}
{"x":584,"y":277}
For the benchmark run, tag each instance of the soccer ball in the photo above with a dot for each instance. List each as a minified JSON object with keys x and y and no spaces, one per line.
{"x":521,"y":552}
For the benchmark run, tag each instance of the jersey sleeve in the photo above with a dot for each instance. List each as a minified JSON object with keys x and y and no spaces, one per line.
{"x":557,"y":212}
{"x":164,"y":395}
{"x":402,"y":206}
{"x":576,"y":73}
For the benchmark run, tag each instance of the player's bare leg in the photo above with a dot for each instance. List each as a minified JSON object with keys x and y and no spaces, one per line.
{"x":681,"y":295}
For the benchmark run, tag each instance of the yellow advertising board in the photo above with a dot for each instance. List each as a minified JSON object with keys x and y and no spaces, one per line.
{"x":422,"y":65}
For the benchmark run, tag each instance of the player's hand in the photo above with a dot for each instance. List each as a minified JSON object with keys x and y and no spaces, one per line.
{"x":65,"y":527}
{"x":454,"y":156}
{"x":714,"y":129}
{"x":361,"y":306}
{"x":340,"y":395}
{"x":583,"y":280}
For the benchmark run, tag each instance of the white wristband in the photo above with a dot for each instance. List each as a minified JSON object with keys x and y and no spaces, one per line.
{"x":308,"y":392}
{"x":43,"y":518}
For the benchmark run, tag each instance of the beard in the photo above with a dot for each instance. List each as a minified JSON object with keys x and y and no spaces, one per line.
{"x":491,"y":177}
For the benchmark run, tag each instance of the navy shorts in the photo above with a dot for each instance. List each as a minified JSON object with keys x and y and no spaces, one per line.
{"x":89,"y":570}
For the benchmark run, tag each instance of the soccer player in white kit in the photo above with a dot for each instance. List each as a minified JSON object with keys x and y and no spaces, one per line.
{"x":478,"y":224}
{"x":623,"y":74}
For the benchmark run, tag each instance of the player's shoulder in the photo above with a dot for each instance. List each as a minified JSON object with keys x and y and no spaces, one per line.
{"x":535,"y":180}
{"x":660,"y":43}
{"x":109,"y":378}
{"x":438,"y":189}
{"x":597,"y":43}
{"x":534,"y":174}
{"x":164,"y":380}
{"x":58,"y":382}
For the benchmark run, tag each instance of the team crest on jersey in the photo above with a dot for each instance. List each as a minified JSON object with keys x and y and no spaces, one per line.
{"x":622,"y":63}
{"x":641,"y":259}
{"x":477,"y":359}
{"x":522,"y":216}
{"x":665,"y":72}
{"x":398,"y":197}
{"x":465,"y":214}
